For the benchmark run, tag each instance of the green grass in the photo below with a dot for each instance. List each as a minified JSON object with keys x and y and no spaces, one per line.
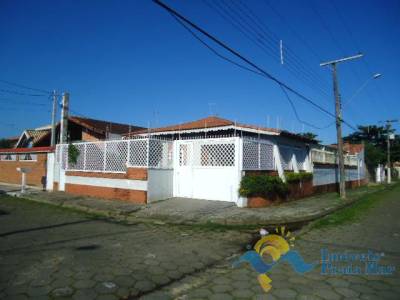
{"x":365,"y":201}
{"x":11,"y":200}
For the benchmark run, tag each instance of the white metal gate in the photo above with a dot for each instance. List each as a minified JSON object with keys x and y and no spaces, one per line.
{"x":207,"y":169}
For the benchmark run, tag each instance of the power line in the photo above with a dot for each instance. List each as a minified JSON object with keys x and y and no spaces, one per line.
{"x":290,"y":55}
{"x":22,"y":94}
{"x":245,"y":68}
{"x":294,"y":32}
{"x":242,"y":25}
{"x":295,"y":111}
{"x":19,"y":101}
{"x":357,"y":48}
{"x":212,"y":49}
{"x":234,"y":52}
{"x":24,"y":86}
{"x":338,"y":45}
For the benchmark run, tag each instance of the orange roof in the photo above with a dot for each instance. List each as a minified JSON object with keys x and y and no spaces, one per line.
{"x":209,"y":122}
{"x":350,"y":148}
{"x":27,"y":150}
{"x":101,"y":126}
{"x":353,"y":148}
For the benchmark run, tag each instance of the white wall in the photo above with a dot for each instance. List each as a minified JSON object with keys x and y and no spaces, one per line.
{"x":159,"y":184}
{"x":50,"y":173}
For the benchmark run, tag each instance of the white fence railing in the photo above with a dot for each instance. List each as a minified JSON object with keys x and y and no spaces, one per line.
{"x":117,"y":156}
{"x":329,"y":157}
{"x":258,"y":155}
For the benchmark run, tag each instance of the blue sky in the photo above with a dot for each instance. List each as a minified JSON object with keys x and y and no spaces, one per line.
{"x":131,"y":62}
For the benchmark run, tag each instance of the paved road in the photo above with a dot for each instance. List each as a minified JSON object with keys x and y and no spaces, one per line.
{"x":378,"y":231}
{"x":48,"y":252}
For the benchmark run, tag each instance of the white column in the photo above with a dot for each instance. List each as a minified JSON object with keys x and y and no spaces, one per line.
{"x":278,"y":163}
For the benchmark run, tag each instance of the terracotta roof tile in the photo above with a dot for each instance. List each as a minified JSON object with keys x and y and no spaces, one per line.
{"x":101,"y":126}
{"x":27,"y":150}
{"x":209,"y":122}
{"x":37,"y":135}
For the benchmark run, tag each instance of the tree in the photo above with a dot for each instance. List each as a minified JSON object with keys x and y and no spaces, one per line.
{"x":310,"y":135}
{"x":375,"y":140}
{"x":6,"y":143}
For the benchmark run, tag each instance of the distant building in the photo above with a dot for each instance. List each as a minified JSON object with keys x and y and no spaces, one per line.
{"x":79,"y":129}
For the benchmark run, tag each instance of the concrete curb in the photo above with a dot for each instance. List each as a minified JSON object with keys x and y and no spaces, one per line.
{"x":130,"y":216}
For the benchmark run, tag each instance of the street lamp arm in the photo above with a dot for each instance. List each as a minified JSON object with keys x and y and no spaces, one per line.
{"x":361,"y":88}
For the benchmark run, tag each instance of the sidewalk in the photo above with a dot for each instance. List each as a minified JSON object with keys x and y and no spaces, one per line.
{"x":194,"y":211}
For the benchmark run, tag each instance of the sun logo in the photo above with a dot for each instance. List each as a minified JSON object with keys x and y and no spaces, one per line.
{"x":275,"y":247}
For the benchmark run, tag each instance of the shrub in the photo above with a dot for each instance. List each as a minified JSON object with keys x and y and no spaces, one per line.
{"x":73,"y":154}
{"x":297,"y":177}
{"x":262,"y":186}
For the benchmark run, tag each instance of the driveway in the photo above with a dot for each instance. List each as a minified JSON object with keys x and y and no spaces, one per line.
{"x":49,"y":252}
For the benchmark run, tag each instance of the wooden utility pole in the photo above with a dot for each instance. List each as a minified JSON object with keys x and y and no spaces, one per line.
{"x":64,"y":119}
{"x":388,"y":129}
{"x":339,"y":120}
{"x":53,"y":120}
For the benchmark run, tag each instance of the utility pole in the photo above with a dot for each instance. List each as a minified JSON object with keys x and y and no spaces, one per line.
{"x":64,"y":118}
{"x":339,"y":120}
{"x":53,"y":120}
{"x":388,"y":128}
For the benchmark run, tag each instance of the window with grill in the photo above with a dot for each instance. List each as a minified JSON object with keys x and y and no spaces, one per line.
{"x":217,"y":155}
{"x":28,"y":157}
{"x":10,"y":157}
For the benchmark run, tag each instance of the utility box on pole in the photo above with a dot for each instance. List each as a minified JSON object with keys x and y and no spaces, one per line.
{"x":64,"y":119}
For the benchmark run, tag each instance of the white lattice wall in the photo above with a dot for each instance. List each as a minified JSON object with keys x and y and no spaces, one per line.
{"x":207,"y":153}
{"x":258,"y":155}
{"x":117,"y":156}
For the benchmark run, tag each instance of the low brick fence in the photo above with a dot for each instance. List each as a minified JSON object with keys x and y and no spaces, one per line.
{"x":130,"y":186}
{"x":34,"y":159}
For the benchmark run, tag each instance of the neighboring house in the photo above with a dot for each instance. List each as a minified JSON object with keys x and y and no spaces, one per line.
{"x":79,"y":129}
{"x":8,"y":142}
{"x":203,"y":159}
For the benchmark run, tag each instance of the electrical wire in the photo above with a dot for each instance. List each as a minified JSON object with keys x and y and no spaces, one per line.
{"x":24,"y":86}
{"x":212,"y":49}
{"x":234,"y":52}
{"x":295,"y":110}
{"x":22,"y":94}
{"x":294,"y":32}
{"x":291,"y":56}
{"x":245,"y":68}
{"x":243,"y":26}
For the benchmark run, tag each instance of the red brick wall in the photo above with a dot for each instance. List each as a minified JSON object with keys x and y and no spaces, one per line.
{"x":134,"y":196}
{"x":9,"y":173}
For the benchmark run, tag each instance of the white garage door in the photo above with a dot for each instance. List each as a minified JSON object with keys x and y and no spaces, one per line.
{"x":207,"y":169}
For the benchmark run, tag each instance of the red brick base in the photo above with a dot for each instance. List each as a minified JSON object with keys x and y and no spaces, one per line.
{"x":134,"y":196}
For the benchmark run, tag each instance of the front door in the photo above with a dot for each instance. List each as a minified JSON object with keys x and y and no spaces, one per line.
{"x":184,"y":170}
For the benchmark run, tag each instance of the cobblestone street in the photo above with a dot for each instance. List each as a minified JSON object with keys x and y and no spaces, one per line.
{"x":378,"y":231}
{"x":47,"y":252}
{"x":50,"y":253}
